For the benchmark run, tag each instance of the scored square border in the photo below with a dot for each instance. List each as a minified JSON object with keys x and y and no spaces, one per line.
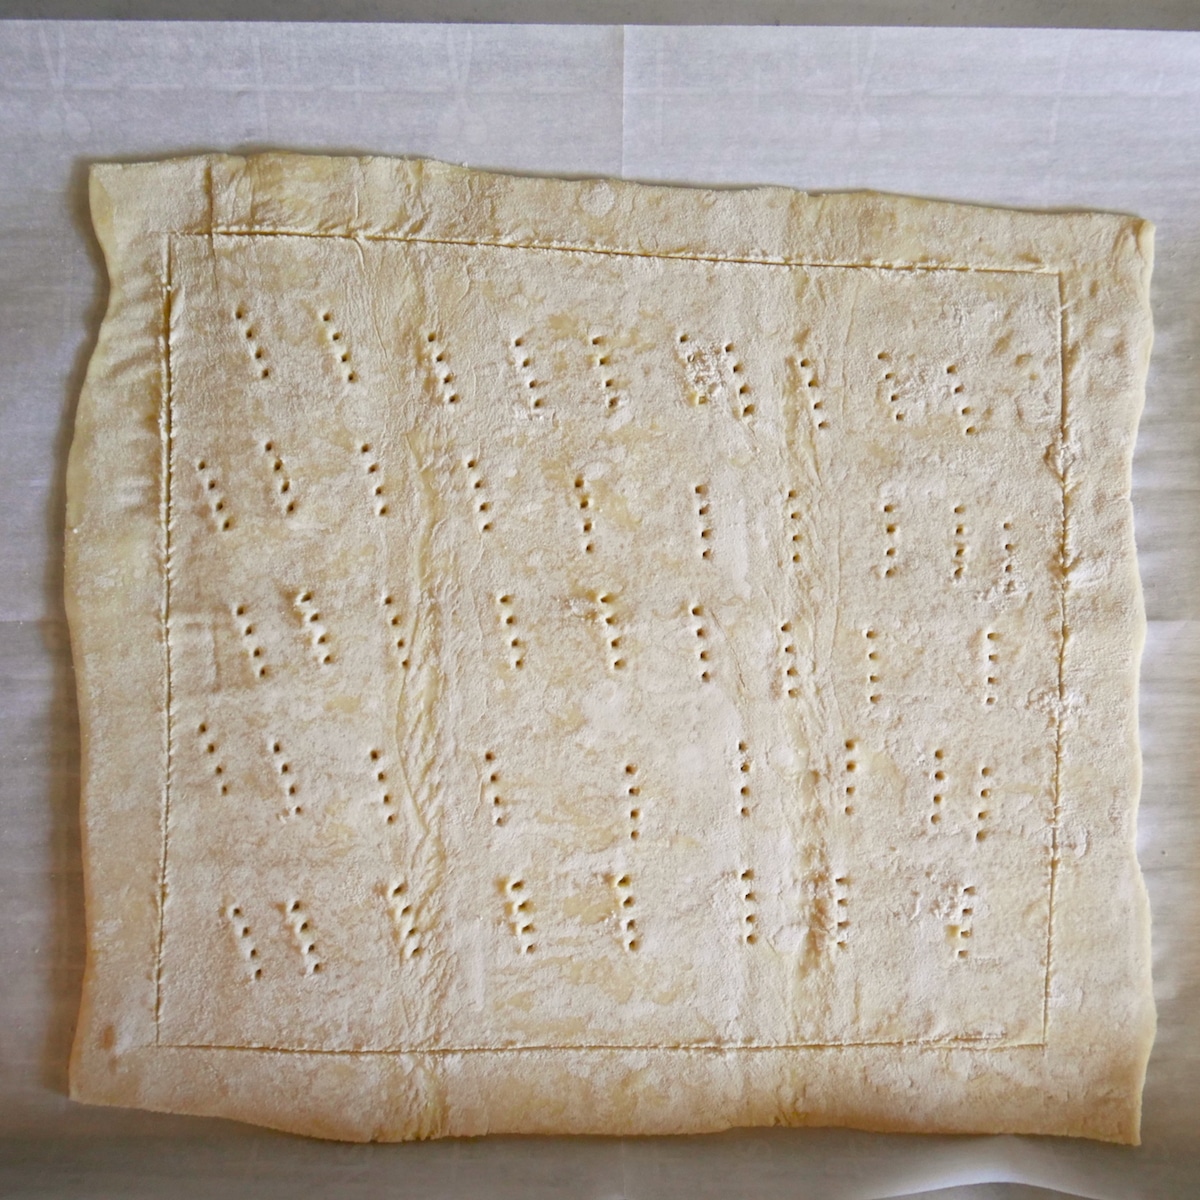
{"x":166,"y":425}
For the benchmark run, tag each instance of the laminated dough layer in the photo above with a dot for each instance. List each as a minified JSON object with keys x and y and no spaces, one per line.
{"x":585,"y":657}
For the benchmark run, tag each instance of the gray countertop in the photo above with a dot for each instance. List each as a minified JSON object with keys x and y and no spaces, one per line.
{"x":1051,"y":14}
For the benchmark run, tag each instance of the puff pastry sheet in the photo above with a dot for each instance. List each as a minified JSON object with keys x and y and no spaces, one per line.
{"x":566,"y":657}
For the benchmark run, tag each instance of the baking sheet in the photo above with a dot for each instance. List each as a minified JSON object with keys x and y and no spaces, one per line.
{"x":1030,"y":118}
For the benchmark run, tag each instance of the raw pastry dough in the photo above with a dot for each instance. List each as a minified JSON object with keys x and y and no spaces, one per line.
{"x":586,"y":657}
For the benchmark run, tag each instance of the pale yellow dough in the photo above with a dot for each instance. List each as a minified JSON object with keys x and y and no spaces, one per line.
{"x":585,"y":657}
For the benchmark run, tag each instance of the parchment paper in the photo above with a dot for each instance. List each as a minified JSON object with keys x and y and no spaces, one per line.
{"x":1029,"y":118}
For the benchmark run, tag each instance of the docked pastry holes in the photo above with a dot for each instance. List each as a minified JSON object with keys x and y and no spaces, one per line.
{"x":518,"y":912}
{"x":377,"y":769}
{"x":610,"y":628}
{"x":745,"y":882}
{"x":704,"y":520}
{"x":624,"y":915}
{"x":962,"y":927}
{"x":992,"y":666}
{"x":339,"y":346}
{"x":214,"y":496}
{"x":633,"y":791}
{"x":374,"y":473}
{"x":740,"y":402}
{"x":938,"y":801}
{"x":249,"y":339}
{"x":252,"y":645}
{"x":961,"y":545}
{"x":477,"y":492}
{"x":288,"y":783}
{"x":983,"y":815}
{"x":209,"y":746}
{"x":403,"y":919}
{"x":313,"y":627}
{"x":745,"y":766}
{"x":582,"y":499}
{"x":849,"y":777}
{"x":495,"y":803}
{"x":243,"y":939}
{"x":438,"y":368}
{"x":787,"y":648}
{"x":795,"y":529}
{"x":841,"y":912}
{"x":874,"y":665}
{"x":396,"y":629}
{"x":303,"y":937}
{"x":807,"y":388}
{"x":510,"y":630}
{"x":959,"y":401}
{"x":703,"y":651}
{"x":614,"y":653}
{"x":891,"y":386}
{"x":1008,"y":566}
{"x":532,"y":394}
{"x":280,"y":479}
{"x":891,"y":533}
{"x":602,"y":363}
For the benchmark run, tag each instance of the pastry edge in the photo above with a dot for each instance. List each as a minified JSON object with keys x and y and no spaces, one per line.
{"x":115,"y":1061}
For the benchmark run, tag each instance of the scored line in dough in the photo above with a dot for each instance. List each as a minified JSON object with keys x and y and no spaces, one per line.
{"x":167,"y":422}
